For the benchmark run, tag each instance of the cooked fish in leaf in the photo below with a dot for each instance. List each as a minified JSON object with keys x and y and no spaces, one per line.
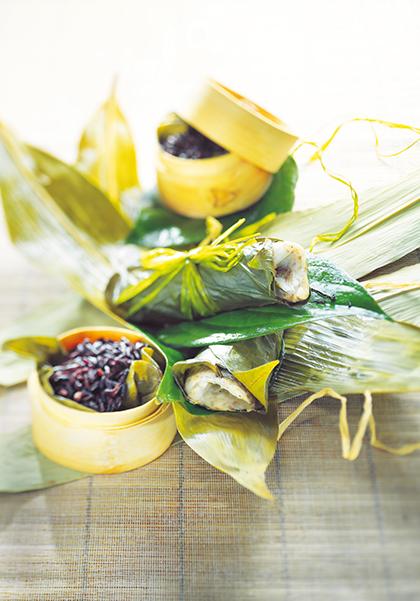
{"x":230,"y":378}
{"x":173,"y":286}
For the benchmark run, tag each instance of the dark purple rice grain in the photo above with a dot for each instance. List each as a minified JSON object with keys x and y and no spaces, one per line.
{"x":191,"y":145}
{"x":94,"y":373}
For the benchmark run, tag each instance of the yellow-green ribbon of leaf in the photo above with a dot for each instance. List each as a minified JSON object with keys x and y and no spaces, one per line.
{"x":319,"y":155}
{"x":350,"y":449}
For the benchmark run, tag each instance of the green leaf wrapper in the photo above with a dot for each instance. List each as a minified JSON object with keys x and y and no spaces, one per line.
{"x":239,"y":445}
{"x":249,"y":364}
{"x":249,"y":282}
{"x":333,"y":293}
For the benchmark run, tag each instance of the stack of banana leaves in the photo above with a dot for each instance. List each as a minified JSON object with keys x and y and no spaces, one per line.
{"x":246,"y":316}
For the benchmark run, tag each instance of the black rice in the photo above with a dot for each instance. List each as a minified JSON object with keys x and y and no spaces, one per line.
{"x":94,"y":373}
{"x":191,"y":145}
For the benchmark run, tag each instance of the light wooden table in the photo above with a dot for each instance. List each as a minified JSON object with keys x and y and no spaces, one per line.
{"x":177,"y":529}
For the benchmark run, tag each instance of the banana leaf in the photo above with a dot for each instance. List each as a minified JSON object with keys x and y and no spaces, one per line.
{"x":398,"y":293}
{"x":333,"y":292}
{"x":57,"y":218}
{"x":48,"y":216}
{"x":52,"y":211}
{"x":157,"y":226}
{"x":143,"y":381}
{"x":350,"y":354}
{"x":23,"y":468}
{"x":39,"y":348}
{"x":50,"y":319}
{"x":107,"y":154}
{"x":239,"y":445}
{"x":386,"y":229}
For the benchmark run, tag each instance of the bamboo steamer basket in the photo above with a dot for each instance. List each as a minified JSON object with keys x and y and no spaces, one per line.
{"x":257,"y":142}
{"x":99,"y":443}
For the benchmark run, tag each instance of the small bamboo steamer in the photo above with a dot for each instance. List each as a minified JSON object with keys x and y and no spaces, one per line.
{"x":257,"y":143}
{"x":217,"y":186}
{"x":241,"y":126}
{"x":99,"y":443}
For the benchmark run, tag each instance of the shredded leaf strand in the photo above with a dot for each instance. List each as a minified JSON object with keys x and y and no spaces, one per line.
{"x":331,"y":237}
{"x":350,"y":448}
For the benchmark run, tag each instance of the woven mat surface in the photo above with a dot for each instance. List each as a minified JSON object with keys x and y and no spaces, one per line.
{"x":179,"y":530}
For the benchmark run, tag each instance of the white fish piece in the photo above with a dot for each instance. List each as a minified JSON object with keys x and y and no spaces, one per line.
{"x":217,"y":390}
{"x":291,"y":269}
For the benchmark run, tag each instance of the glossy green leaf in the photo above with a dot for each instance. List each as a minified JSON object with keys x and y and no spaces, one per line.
{"x":107,"y":154}
{"x":156,"y":226}
{"x":333,"y":293}
{"x":168,"y":391}
{"x":239,"y":445}
{"x":23,"y":468}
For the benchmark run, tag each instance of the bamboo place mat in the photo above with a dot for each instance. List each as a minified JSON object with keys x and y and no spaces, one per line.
{"x":179,"y":530}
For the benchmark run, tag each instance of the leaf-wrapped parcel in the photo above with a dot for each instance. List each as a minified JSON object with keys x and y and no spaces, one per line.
{"x":234,"y":427}
{"x":172,"y":286}
{"x":231,"y":377}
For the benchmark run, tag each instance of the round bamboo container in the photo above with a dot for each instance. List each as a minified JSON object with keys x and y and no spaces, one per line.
{"x":209,"y":187}
{"x":99,"y":443}
{"x":257,"y":143}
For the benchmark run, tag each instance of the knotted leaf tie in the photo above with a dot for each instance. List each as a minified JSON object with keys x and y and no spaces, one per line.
{"x":216,"y":252}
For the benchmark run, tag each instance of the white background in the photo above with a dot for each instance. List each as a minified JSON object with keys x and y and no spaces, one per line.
{"x":312,"y":62}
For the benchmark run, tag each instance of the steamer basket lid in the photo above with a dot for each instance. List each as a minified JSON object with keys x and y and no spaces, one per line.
{"x":240,"y":126}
